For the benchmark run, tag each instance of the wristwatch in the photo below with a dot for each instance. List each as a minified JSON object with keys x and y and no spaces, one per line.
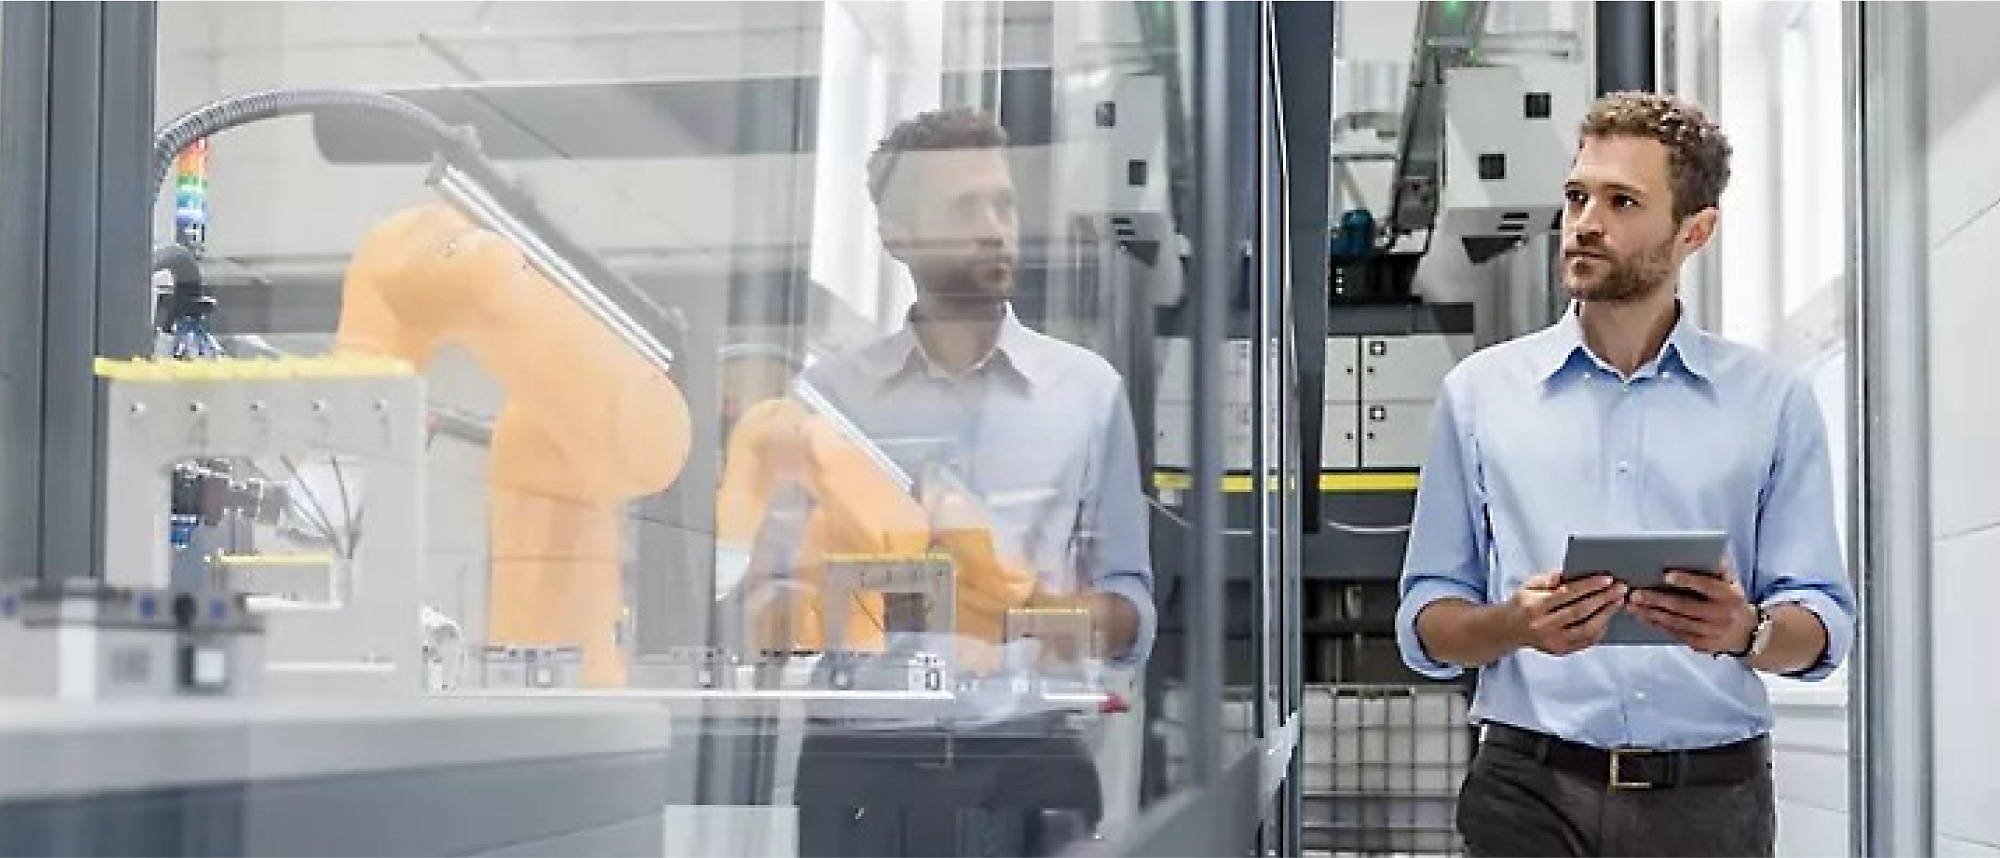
{"x":1760,"y":635}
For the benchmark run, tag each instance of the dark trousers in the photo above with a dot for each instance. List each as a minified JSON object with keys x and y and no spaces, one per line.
{"x":1513,"y":804}
{"x":925,"y":794}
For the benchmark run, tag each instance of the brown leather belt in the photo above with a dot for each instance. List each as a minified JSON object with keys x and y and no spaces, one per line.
{"x":1636,"y":768}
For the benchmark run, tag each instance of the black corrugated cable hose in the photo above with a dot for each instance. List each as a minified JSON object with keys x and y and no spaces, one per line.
{"x":215,"y":117}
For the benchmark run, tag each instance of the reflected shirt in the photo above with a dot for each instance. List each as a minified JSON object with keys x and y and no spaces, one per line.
{"x":1536,"y":439}
{"x":1041,"y":432}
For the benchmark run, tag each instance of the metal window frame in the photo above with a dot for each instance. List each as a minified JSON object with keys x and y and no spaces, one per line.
{"x":1225,"y":808}
{"x":1891,"y":698}
{"x":76,"y":94}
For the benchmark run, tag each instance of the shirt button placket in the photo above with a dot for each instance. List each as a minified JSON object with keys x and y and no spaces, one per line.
{"x":1625,"y":434}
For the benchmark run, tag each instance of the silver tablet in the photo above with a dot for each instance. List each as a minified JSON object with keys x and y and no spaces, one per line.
{"x":1641,"y":561}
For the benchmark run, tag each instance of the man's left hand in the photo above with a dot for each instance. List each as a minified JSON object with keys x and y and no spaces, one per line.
{"x":1717,"y":621}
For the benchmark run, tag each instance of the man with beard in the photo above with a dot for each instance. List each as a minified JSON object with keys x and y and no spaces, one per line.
{"x":1035,"y":433}
{"x":1624,"y":417}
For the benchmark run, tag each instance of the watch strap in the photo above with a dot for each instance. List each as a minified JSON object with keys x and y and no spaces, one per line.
{"x":1760,"y":635}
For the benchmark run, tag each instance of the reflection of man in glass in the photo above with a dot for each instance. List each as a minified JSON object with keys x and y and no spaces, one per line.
{"x":1037,"y":435}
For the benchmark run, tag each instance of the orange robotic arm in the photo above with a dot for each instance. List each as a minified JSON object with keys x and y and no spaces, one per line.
{"x":857,"y":509}
{"x":587,"y":424}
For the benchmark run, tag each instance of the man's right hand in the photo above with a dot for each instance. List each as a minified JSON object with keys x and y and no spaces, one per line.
{"x":1560,"y":618}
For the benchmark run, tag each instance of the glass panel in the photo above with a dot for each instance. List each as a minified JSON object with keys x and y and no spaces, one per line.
{"x":1783,"y":110}
{"x":1958,"y":74}
{"x":792,"y":386}
{"x":1775,"y":277}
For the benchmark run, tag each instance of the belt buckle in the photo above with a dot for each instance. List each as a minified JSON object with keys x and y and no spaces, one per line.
{"x":1618,"y":756}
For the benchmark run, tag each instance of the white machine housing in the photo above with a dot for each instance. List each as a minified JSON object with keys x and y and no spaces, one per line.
{"x":361,"y":635}
{"x":1510,"y":137}
{"x":1173,"y":404}
{"x":1110,"y":163}
{"x":1380,"y":392}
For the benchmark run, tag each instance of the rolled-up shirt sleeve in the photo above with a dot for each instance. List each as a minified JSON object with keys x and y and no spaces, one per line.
{"x":1798,"y":545}
{"x":1116,"y":505}
{"x":1445,"y":557}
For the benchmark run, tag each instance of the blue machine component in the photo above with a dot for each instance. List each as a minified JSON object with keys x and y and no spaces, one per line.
{"x":190,"y":337}
{"x":1354,"y":236}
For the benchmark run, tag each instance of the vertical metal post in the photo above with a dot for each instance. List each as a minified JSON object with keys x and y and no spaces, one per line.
{"x":1308,"y":35}
{"x":76,"y":238}
{"x":1625,"y":48}
{"x":24,"y":182}
{"x":1265,"y":271}
{"x":1890,"y":722}
{"x":1854,"y":80}
{"x":1218,"y":108}
{"x":1303,"y":78}
{"x":1305,"y":65}
{"x":1212,"y":254}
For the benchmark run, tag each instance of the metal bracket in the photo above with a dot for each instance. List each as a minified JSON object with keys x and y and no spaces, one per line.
{"x":929,"y":577}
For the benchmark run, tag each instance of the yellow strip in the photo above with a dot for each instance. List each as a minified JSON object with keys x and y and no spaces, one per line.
{"x":1238,"y":484}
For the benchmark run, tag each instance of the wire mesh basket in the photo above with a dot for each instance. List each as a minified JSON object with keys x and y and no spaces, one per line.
{"x":1382,"y":765}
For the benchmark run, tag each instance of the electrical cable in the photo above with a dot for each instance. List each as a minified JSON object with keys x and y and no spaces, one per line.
{"x":324,"y":521}
{"x":347,"y":512}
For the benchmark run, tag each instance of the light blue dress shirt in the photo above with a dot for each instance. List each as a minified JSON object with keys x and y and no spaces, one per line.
{"x":1535,"y":439}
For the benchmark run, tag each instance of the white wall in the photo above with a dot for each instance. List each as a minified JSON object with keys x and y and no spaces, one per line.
{"x":1763,"y":302}
{"x":1964,"y":187}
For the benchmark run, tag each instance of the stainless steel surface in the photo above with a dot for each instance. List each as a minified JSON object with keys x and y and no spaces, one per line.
{"x":743,"y":704}
{"x":1892,"y":715}
{"x":85,"y":749}
{"x":477,"y":204}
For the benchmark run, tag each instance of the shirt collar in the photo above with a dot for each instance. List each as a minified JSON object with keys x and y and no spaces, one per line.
{"x":1014,"y":354}
{"x":1686,"y":345}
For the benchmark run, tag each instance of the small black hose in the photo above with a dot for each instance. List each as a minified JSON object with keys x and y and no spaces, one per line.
{"x":179,"y":262}
{"x":216,"y":117}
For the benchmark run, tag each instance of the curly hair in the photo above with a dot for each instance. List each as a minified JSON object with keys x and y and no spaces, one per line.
{"x":1697,"y":150}
{"x":934,"y":130}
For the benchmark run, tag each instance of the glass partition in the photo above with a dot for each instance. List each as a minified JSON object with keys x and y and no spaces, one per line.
{"x":811,"y":380}
{"x":1779,"y":278}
